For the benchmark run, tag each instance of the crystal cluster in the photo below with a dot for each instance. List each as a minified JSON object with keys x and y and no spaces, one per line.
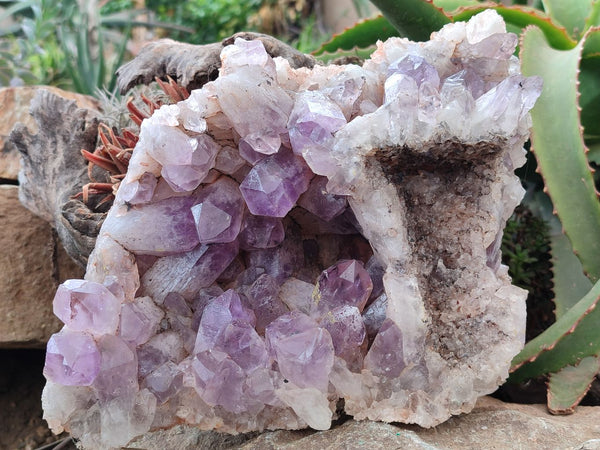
{"x":286,"y":238}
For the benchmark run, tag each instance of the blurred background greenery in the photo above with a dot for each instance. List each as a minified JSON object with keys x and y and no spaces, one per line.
{"x":78,"y":44}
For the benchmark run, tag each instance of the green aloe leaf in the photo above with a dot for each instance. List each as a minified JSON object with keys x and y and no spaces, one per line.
{"x":519,"y":17}
{"x":414,"y":19}
{"x":452,"y":5}
{"x":593,"y":19}
{"x":567,"y":387}
{"x":557,"y":142}
{"x":572,"y":15}
{"x":360,"y":53}
{"x":362,"y":35}
{"x":571,"y":338}
{"x":570,"y":283}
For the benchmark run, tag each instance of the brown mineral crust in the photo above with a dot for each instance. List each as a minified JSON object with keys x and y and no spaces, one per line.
{"x":441,"y":186}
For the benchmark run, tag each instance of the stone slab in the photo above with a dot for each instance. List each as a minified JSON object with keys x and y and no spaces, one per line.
{"x":492,"y":425}
{"x":32,"y":265}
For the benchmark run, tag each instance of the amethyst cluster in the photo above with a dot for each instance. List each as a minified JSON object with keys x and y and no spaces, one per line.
{"x":286,"y":238}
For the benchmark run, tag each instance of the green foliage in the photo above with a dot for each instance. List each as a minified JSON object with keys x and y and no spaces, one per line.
{"x":560,"y":43}
{"x":210,"y":20}
{"x":56,"y":43}
{"x":525,"y":250}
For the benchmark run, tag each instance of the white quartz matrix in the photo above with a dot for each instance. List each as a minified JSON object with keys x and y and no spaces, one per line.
{"x":290,"y":243}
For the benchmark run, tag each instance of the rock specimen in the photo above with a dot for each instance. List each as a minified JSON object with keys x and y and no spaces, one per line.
{"x":286,"y":239}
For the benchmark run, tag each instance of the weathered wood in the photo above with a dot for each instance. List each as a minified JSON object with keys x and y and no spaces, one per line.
{"x":194,"y":65}
{"x":52,"y":170}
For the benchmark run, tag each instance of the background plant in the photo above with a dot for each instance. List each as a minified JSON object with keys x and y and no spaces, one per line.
{"x":559,"y":41}
{"x":73,"y":44}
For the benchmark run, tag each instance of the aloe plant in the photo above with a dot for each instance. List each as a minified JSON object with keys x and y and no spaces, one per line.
{"x":559,"y":41}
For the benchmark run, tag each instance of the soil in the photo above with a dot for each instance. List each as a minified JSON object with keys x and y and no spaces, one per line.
{"x":21,"y":423}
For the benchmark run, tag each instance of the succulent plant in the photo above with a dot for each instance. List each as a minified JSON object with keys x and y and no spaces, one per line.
{"x":559,"y":41}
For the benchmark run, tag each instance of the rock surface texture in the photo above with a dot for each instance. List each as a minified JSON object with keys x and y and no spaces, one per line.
{"x":32,"y":264}
{"x":288,"y":242}
{"x":492,"y":424}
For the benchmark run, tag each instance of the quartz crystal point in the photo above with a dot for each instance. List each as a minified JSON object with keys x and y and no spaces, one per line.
{"x":286,"y":238}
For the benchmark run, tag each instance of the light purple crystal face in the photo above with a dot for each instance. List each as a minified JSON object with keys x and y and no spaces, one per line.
{"x":274,"y":185}
{"x":87,"y":306}
{"x":165,"y":381}
{"x":320,"y":202}
{"x":168,"y":226}
{"x":417,"y":68}
{"x":139,"y":191}
{"x":72,"y":358}
{"x":261,"y":232}
{"x":218,"y":214}
{"x":288,"y":238}
{"x":303,"y":350}
{"x":219,"y":313}
{"x":140,"y":320}
{"x":347,"y":283}
{"x":347,"y":330}
{"x":185,"y":159}
{"x":313,"y":121}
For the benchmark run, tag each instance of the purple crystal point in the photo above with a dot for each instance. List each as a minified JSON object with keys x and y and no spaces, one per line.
{"x":417,"y":68}
{"x":263,"y":298}
{"x":189,"y":272}
{"x":219,"y":380}
{"x":376,"y":272}
{"x":118,"y":370}
{"x":72,"y":358}
{"x":218,"y":215}
{"x":229,"y":160}
{"x":256,"y":106}
{"x":247,"y":152}
{"x":168,"y":227}
{"x":374,"y":315}
{"x":400,"y":88}
{"x":346,"y":283}
{"x":261,"y":232}
{"x":385,"y":357}
{"x":165,"y":381}
{"x":87,"y":306}
{"x":347,"y":330}
{"x":303,"y":350}
{"x":507,"y":102}
{"x":138,"y":191}
{"x":139,"y":320}
{"x":246,"y":53}
{"x":185,"y":159}
{"x":242,"y":343}
{"x":321,"y":203}
{"x":219,"y":313}
{"x":313,"y":121}
{"x":166,"y":346}
{"x":453,"y":87}
{"x":280,"y":262}
{"x":186,"y":176}
{"x":274,"y":185}
{"x":499,"y":46}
